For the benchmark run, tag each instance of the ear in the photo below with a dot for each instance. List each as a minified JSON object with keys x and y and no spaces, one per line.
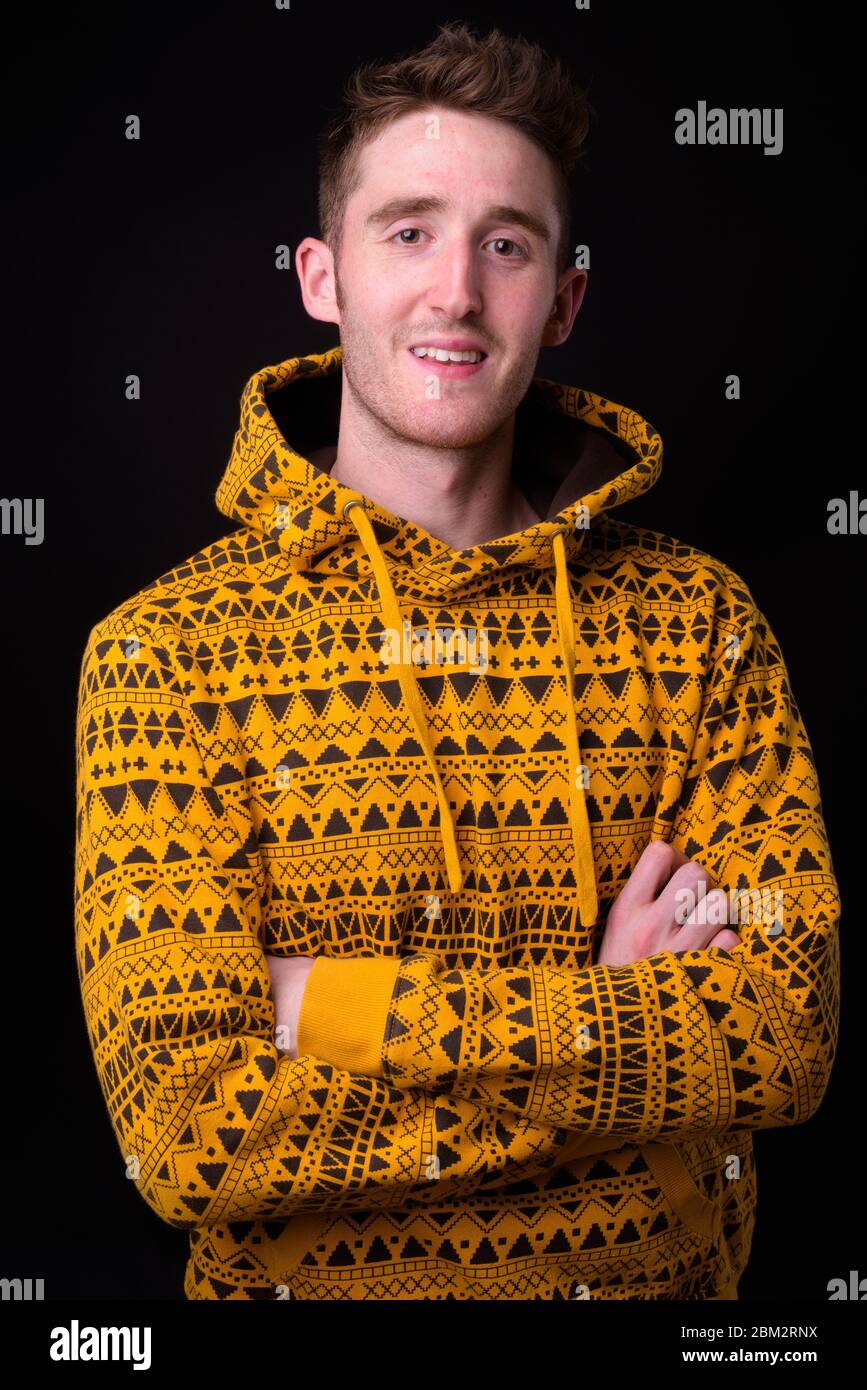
{"x":314,"y":264}
{"x":570,"y":293}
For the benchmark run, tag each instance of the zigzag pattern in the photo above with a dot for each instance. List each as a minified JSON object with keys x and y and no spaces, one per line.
{"x":249,"y":780}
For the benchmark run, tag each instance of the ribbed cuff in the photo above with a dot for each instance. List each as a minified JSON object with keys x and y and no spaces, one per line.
{"x":344,"y":1009}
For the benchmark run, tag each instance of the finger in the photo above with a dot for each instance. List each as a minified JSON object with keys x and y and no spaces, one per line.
{"x":727,"y":940}
{"x":703,"y":923}
{"x":658,"y":861}
{"x":683,"y":896}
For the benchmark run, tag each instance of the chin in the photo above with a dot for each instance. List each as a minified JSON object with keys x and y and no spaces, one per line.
{"x":456,"y":434}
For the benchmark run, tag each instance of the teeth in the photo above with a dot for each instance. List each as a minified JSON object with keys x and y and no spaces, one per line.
{"x":442,"y":355}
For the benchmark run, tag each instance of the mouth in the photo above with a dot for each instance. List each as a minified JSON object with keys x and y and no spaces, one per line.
{"x":452,"y":364}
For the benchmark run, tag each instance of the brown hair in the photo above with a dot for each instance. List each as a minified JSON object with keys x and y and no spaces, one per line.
{"x":493,"y":75}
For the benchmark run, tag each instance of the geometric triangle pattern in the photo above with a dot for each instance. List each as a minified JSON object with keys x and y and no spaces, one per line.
{"x":250,"y":779}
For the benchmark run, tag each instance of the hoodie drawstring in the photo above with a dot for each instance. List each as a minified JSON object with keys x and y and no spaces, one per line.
{"x":588,"y":906}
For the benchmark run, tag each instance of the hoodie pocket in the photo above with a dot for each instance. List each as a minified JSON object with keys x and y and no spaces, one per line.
{"x":690,"y":1205}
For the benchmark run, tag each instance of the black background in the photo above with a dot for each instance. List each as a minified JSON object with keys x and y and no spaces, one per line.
{"x":157,"y":258}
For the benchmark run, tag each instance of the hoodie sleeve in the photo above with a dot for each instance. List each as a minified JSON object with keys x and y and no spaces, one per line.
{"x":683,"y":1043}
{"x":213,"y":1122}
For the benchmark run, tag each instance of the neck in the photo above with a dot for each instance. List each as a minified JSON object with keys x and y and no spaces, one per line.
{"x":462,"y":496}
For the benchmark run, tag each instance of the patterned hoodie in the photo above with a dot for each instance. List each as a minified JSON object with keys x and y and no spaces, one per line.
{"x":331,"y":734}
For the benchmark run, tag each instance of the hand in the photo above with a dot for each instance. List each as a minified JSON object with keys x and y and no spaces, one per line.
{"x":288,"y":979}
{"x":644,"y":920}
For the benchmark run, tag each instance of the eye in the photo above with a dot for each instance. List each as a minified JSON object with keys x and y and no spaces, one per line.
{"x":403,"y":232}
{"x":507,"y":241}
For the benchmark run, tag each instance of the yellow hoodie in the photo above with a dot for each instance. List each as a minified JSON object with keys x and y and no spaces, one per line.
{"x":275,"y":755}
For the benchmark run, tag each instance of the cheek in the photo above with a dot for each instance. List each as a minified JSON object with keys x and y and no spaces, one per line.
{"x":517,"y":306}
{"x":379,"y":312}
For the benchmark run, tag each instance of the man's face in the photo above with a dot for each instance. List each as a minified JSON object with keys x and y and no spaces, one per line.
{"x":467,"y":270}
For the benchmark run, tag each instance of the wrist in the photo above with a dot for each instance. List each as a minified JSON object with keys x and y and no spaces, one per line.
{"x":288,"y":996}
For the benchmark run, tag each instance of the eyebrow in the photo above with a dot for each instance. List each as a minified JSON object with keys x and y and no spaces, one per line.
{"x":501,"y":212}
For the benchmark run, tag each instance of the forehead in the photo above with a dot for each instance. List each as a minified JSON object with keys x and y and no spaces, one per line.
{"x":462,"y":153}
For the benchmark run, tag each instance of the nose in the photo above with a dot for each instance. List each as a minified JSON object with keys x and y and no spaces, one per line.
{"x":454,"y":288}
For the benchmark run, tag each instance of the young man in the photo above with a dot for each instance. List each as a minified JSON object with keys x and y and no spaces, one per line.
{"x":398,"y":806}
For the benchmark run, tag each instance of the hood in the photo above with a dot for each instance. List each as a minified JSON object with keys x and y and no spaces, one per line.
{"x":576,"y":455}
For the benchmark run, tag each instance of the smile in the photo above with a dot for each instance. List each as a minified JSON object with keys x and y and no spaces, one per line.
{"x":448,"y":355}
{"x":448,"y":364}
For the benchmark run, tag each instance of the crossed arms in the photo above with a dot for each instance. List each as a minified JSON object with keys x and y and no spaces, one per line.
{"x":479,"y":1078}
